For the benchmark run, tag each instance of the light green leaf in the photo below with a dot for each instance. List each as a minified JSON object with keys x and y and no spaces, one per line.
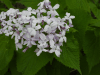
{"x":6,"y":51}
{"x":29,"y":63}
{"x":70,"y":53}
{"x":91,"y":47}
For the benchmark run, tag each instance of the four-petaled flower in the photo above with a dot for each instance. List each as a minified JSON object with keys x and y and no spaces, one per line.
{"x":56,"y":49}
{"x":68,"y":17}
{"x":62,"y":36}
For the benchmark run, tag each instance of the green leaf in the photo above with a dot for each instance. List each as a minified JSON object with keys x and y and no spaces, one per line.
{"x":8,"y":73}
{"x":84,"y":65}
{"x":3,"y":9}
{"x":7,"y":3}
{"x":95,"y":22}
{"x":57,"y":68}
{"x":95,"y":70}
{"x":72,"y":30}
{"x":6,"y":51}
{"x":2,"y":72}
{"x":95,"y":10}
{"x":91,"y":47}
{"x":13,"y":68}
{"x":80,"y":23}
{"x":78,"y":4}
{"x":42,"y":71}
{"x":70,"y":53}
{"x":97,"y":32}
{"x":81,"y":10}
{"x":96,"y":1}
{"x":30,"y":3}
{"x":29,"y":64}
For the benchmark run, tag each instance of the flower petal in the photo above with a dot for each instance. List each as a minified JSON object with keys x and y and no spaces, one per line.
{"x":42,"y":36}
{"x":61,"y":39}
{"x":46,"y":27}
{"x":49,"y":12}
{"x":56,"y":6}
{"x":51,"y":43}
{"x":43,"y":10}
{"x":37,"y":27}
{"x":39,"y":52}
{"x":70,"y":21}
{"x":64,"y":39}
{"x":51,"y":51}
{"x":45,"y":50}
{"x":57,"y":52}
{"x":29,"y":9}
{"x":59,"y":35}
{"x":63,"y":32}
{"x":72,"y":17}
{"x":33,"y":43}
{"x":67,"y":14}
{"x":55,"y":13}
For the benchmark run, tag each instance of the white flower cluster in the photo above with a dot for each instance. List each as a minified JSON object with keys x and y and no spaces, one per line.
{"x":41,"y":27}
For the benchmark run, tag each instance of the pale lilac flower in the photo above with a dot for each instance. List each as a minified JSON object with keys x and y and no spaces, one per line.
{"x":18,"y":45}
{"x":53,"y":11}
{"x":12,"y":12}
{"x":25,"y":49}
{"x":62,"y":36}
{"x":2,"y":16}
{"x":70,"y":25}
{"x":40,"y":49}
{"x":29,"y":9}
{"x":51,"y":41}
{"x":47,"y":32}
{"x":68,"y":17}
{"x":56,"y":49}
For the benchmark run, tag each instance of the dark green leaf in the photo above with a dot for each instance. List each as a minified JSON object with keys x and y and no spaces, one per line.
{"x":7,"y":3}
{"x":2,"y":72}
{"x":95,"y":22}
{"x":30,"y":3}
{"x":6,"y":51}
{"x":95,"y":70}
{"x":42,"y":71}
{"x":29,"y":63}
{"x":91,"y":48}
{"x":70,"y":53}
{"x":57,"y":68}
{"x":78,"y":4}
{"x":13,"y":67}
{"x":84,"y":65}
{"x":95,"y":10}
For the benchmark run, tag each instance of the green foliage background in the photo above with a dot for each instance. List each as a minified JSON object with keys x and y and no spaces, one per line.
{"x":80,"y":55}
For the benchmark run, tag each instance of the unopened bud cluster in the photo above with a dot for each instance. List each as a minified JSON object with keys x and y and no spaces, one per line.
{"x":41,"y":27}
